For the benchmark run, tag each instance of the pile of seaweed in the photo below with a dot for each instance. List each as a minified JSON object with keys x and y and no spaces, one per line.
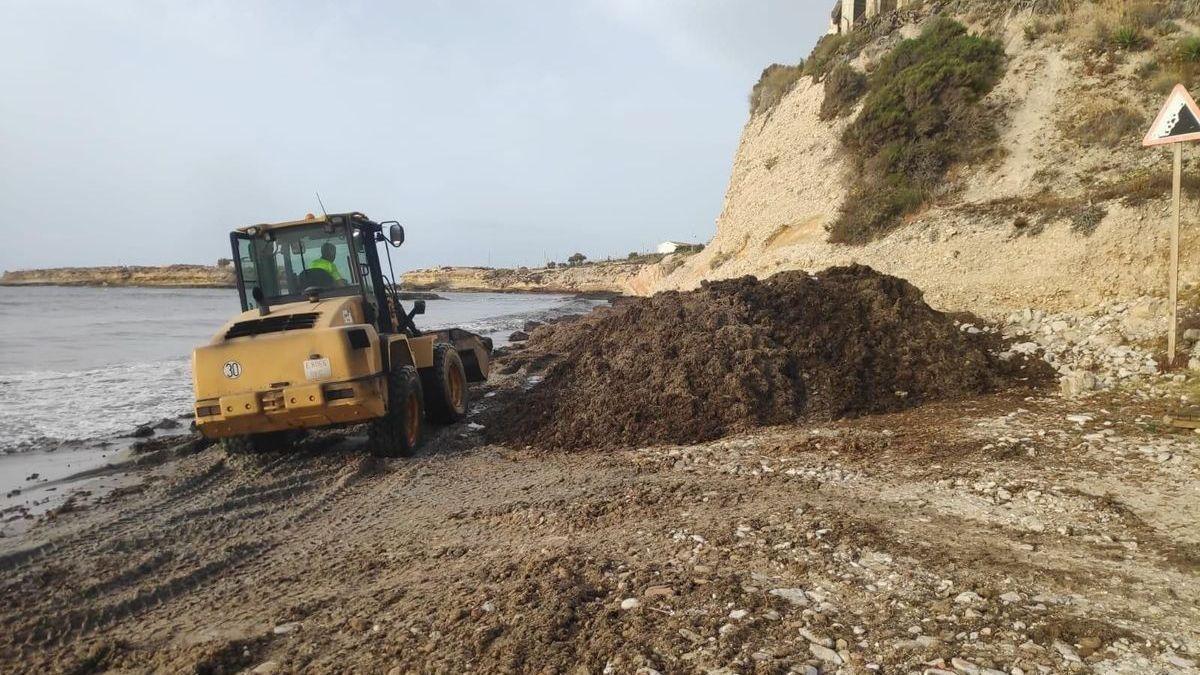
{"x":687,"y":367}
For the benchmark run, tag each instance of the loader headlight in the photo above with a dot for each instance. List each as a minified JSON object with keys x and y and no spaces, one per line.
{"x":208,"y":410}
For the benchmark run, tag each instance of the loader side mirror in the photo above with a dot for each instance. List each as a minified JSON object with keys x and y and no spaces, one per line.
{"x":396,"y":234}
{"x":418,"y":307}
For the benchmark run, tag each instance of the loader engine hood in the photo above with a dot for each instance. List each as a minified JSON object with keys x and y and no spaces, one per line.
{"x":292,"y":316}
{"x":300,"y":343}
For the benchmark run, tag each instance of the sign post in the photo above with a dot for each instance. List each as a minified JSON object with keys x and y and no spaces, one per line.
{"x":1177,"y":123}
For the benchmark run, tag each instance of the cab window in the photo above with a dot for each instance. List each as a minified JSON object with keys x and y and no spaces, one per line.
{"x":285,"y":263}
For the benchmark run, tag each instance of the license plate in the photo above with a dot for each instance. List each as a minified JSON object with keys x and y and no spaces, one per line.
{"x":317,"y":369}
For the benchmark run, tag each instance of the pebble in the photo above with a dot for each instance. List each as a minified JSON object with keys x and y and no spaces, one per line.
{"x":285,"y":628}
{"x":967,"y":597}
{"x":965,"y":666}
{"x":816,"y":639}
{"x":738,"y":614}
{"x":659,"y":591}
{"x":630,"y":603}
{"x":824,"y":653}
{"x":795,"y":596}
{"x":266,"y":667}
{"x":1032,"y":524}
{"x":1066,"y":651}
{"x":1010,"y":597}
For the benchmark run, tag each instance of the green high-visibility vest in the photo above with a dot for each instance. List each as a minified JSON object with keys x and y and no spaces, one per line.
{"x":328,"y":266}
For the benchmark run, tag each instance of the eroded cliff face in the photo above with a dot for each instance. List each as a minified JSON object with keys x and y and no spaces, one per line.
{"x":1003,"y":234}
{"x":169,"y":276}
{"x":607,"y":277}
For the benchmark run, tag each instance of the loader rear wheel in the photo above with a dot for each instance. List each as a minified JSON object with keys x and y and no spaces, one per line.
{"x":398,"y":432}
{"x":445,"y":385}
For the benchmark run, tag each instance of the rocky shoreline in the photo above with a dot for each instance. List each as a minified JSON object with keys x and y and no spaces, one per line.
{"x":142,"y":276}
{"x":606,"y":278}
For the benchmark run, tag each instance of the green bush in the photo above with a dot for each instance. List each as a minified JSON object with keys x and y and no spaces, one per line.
{"x":1177,"y":63}
{"x":1167,"y":27}
{"x":1086,"y":219}
{"x":833,"y":49}
{"x":921,"y":116}
{"x":843,"y":87}
{"x":1130,"y":38}
{"x":1188,"y":50}
{"x":821,"y":59}
{"x":776,"y":81}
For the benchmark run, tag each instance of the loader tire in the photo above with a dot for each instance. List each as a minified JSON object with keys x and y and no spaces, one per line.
{"x":445,"y":385}
{"x":398,"y":432}
{"x":254,"y":443}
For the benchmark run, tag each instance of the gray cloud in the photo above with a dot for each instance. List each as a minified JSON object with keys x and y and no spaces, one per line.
{"x":140,"y":132}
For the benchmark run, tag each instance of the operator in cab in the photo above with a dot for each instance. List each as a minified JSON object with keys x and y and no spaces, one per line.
{"x":325,"y":263}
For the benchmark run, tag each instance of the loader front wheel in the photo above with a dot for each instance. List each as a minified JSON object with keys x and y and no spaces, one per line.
{"x":398,"y":432}
{"x":445,"y":385}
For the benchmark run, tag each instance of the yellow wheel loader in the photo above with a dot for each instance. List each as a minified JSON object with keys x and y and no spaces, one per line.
{"x":323,"y":340}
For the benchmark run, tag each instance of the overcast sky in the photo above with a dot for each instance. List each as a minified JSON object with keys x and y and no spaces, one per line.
{"x":497,"y":132}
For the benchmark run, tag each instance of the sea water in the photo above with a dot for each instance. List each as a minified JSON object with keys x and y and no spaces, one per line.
{"x":81,"y":365}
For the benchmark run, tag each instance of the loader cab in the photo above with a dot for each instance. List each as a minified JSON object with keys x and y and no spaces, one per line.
{"x":313,"y":259}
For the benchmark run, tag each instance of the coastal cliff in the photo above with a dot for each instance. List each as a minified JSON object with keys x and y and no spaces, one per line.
{"x":1060,"y":208}
{"x":168,"y":276}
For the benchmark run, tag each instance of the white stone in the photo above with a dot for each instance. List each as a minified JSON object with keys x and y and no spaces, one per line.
{"x":795,"y":596}
{"x":630,"y":603}
{"x":965,"y":666}
{"x":816,"y":639}
{"x":285,"y":628}
{"x":1032,"y":524}
{"x":266,"y":667}
{"x":967,"y":597}
{"x":1066,"y":651}
{"x":824,"y":653}
{"x":738,"y":614}
{"x":1077,"y":383}
{"x":1010,"y":597}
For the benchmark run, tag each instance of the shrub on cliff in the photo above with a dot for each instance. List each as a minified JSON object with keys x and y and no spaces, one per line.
{"x":774,"y":83}
{"x":844,"y":86}
{"x":921,"y":116}
{"x":834,"y":49}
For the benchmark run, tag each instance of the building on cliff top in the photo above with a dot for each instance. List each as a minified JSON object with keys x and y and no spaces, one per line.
{"x":668,"y":247}
{"x":849,"y":13}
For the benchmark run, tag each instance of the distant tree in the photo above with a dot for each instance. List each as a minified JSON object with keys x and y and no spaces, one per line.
{"x":577,"y":258}
{"x":551,"y":265}
{"x":633,"y":255}
{"x":224,"y":262}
